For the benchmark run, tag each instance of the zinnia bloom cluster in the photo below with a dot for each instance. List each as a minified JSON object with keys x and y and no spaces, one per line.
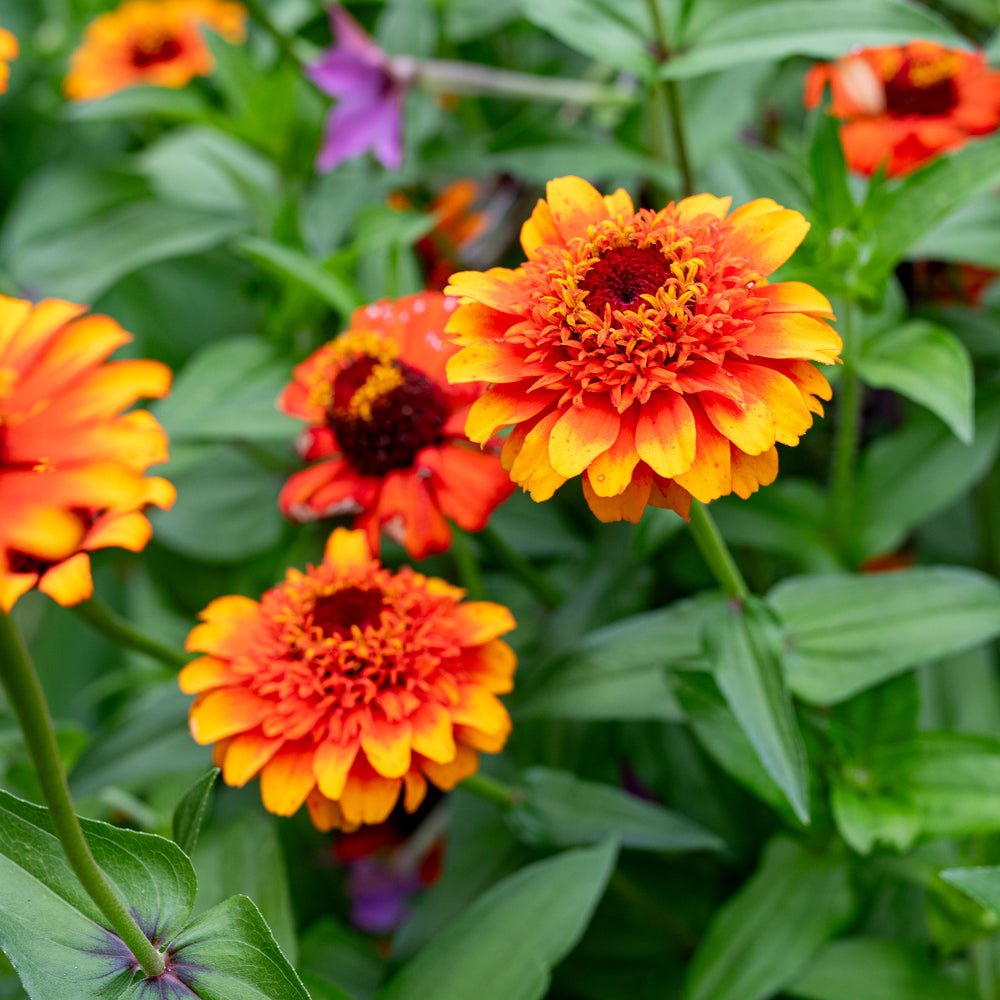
{"x":645,"y":351}
{"x":389,"y":429}
{"x":8,"y":51}
{"x":71,"y":463}
{"x":903,"y":105}
{"x":156,"y":42}
{"x":349,"y":685}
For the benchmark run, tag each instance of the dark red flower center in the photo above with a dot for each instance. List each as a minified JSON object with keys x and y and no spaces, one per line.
{"x":21,"y":562}
{"x":152,"y":51}
{"x":905,"y":95}
{"x":403,"y":421}
{"x":335,"y":613}
{"x":622,"y":276}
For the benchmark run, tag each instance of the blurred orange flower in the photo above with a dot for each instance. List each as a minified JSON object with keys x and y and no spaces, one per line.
{"x":348,"y":684}
{"x":156,"y":42}
{"x":903,"y":105}
{"x":71,"y":463}
{"x":8,"y":51}
{"x":644,"y":350}
{"x":390,"y":429}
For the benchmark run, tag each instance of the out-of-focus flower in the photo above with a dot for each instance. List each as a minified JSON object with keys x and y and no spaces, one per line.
{"x":390,"y":429}
{"x":456,"y":224}
{"x":8,"y":51}
{"x":156,"y":42}
{"x":348,"y":685}
{"x":369,"y":89}
{"x":903,"y":105}
{"x":943,"y":282}
{"x":71,"y":463}
{"x":644,"y":350}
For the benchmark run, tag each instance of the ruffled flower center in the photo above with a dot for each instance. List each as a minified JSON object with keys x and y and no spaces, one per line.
{"x":636,"y":303}
{"x":923,"y":87}
{"x":335,"y":651}
{"x":148,"y":52}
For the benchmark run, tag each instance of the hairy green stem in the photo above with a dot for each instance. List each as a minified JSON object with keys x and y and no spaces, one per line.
{"x":111,"y":625}
{"x":544,"y":592}
{"x":20,"y":680}
{"x":716,"y":553}
{"x":492,"y":790}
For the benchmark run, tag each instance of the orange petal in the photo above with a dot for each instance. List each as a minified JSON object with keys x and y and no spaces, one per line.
{"x":468,"y":485}
{"x":26,"y":330}
{"x":575,"y":205}
{"x":753,"y":471}
{"x":750,"y":427}
{"x":629,"y":505}
{"x":287,"y":779}
{"x":415,"y":790}
{"x":489,"y":361}
{"x":765,"y":233}
{"x":531,"y":468}
{"x":792,"y":335}
{"x":504,"y":404}
{"x":331,"y":765}
{"x":347,"y":550}
{"x":619,"y":204}
{"x":68,"y":582}
{"x":43,"y":532}
{"x":123,"y":531}
{"x":581,"y":434}
{"x":369,"y":798}
{"x":795,"y":296}
{"x":226,"y":712}
{"x":481,"y":710}
{"x":246,"y":754}
{"x":492,"y":665}
{"x":478,"y":740}
{"x":665,"y":434}
{"x":667,"y":495}
{"x":611,"y":471}
{"x":479,"y":621}
{"x":325,"y":815}
{"x":711,"y":475}
{"x":809,"y":380}
{"x":432,"y":732}
{"x":473,"y":321}
{"x":205,"y":673}
{"x":499,"y":288}
{"x":14,"y":586}
{"x":781,"y":397}
{"x":540,"y":230}
{"x":408,"y":514}
{"x":387,"y":746}
{"x":702,"y":204}
{"x":447,"y":776}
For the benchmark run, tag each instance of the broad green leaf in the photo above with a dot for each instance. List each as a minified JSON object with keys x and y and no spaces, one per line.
{"x":504,"y":945}
{"x":559,"y":810}
{"x":833,"y":205}
{"x":809,"y":28}
{"x":869,"y":816}
{"x":765,"y":935}
{"x":744,"y":645}
{"x":982,"y":884}
{"x":320,"y":989}
{"x":228,"y":391}
{"x":190,"y":811}
{"x":619,"y":671}
{"x":341,"y":956}
{"x":873,"y":969}
{"x":287,"y":262}
{"x":136,"y":103}
{"x":909,"y":475}
{"x":928,"y":364}
{"x":969,"y":235}
{"x":847,"y":633}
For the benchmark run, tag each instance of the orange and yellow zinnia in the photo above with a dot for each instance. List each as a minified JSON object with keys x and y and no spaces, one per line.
{"x":72,"y":464}
{"x":389,"y":430}
{"x":903,"y":105}
{"x":644,"y":351}
{"x":348,"y":686}
{"x":8,"y":51}
{"x":157,"y":42}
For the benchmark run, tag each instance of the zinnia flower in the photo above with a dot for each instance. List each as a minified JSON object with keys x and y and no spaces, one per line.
{"x":390,"y":428}
{"x":644,"y":349}
{"x":369,"y":90}
{"x":903,"y":105}
{"x":8,"y":51}
{"x":156,"y":42}
{"x":348,"y":685}
{"x":71,"y":463}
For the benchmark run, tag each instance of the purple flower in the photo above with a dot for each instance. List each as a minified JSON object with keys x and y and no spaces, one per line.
{"x":380,"y":894}
{"x":369,"y":93}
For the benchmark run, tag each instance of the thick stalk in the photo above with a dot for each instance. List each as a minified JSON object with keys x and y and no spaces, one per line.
{"x":492,"y":790}
{"x":20,"y":680}
{"x":111,"y":625}
{"x":716,"y":553}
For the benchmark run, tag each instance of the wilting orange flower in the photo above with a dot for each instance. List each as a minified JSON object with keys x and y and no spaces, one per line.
{"x":645,"y":349}
{"x":390,"y":428}
{"x":348,"y":684}
{"x":156,"y":42}
{"x":71,"y":463}
{"x":903,"y":105}
{"x":8,"y":51}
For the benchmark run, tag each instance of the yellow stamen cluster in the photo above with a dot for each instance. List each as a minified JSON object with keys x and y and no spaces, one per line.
{"x":350,"y":346}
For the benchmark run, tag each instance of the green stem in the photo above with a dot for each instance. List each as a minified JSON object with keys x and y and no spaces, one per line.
{"x":543,"y":591}
{"x":845,"y":447}
{"x":20,"y":679}
{"x":981,"y":953}
{"x":263,"y":19}
{"x":110,"y":624}
{"x":492,"y":790}
{"x":466,"y":565}
{"x":680,"y":142}
{"x":716,"y":553}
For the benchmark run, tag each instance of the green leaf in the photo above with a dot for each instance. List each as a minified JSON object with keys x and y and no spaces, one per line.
{"x":136,"y":103}
{"x":619,"y":671}
{"x":909,"y":475}
{"x":833,"y":205}
{"x":744,"y":644}
{"x":869,"y":816}
{"x":871,"y":969}
{"x":763,"y":937}
{"x":809,"y":28}
{"x":982,"y":884}
{"x":559,"y":810}
{"x":969,"y":235}
{"x":847,"y":633}
{"x":190,"y":811}
{"x":504,"y":945}
{"x":287,"y":262}
{"x":929,"y":365}
{"x":228,"y":391}
{"x":595,"y":161}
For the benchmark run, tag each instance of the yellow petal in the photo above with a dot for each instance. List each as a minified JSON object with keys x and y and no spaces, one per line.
{"x":331,"y":765}
{"x":287,"y":779}
{"x":387,"y":746}
{"x":432,"y":733}
{"x":581,"y":434}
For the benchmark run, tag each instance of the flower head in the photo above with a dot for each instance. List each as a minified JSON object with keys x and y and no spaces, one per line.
{"x":389,"y":427}
{"x":156,"y":42}
{"x":8,"y":51}
{"x":644,"y":350}
{"x":347,"y":685}
{"x":369,"y":92}
{"x":71,"y":463}
{"x":902,"y":105}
